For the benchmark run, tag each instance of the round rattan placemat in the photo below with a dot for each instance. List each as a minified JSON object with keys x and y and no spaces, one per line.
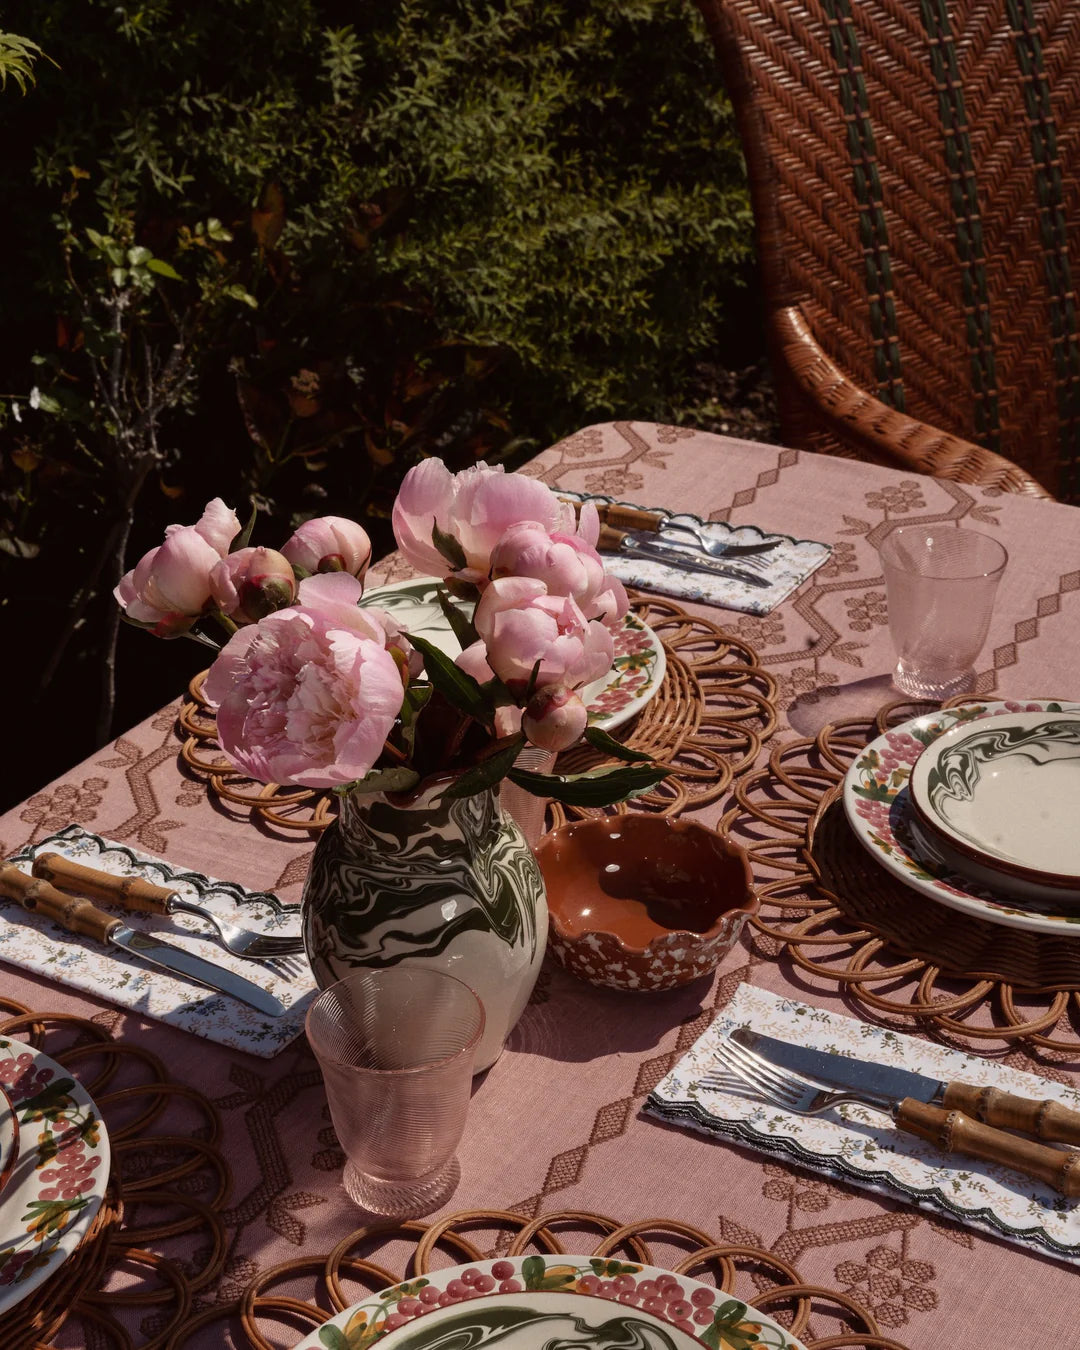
{"x":824,"y":1319}
{"x":838,"y":916}
{"x":713,"y":712}
{"x":163,"y":1187}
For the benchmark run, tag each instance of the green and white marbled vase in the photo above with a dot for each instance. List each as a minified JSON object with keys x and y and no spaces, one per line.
{"x":397,"y":881}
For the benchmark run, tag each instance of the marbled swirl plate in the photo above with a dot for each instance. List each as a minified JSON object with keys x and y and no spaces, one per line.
{"x":633,"y":679}
{"x":877,"y":808}
{"x":568,"y":1302}
{"x":1007,"y":793}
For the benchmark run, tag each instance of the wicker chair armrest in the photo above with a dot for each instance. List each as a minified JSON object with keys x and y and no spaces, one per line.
{"x":861,"y":419}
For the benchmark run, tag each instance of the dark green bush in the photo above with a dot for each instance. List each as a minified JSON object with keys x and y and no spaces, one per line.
{"x":285,"y":247}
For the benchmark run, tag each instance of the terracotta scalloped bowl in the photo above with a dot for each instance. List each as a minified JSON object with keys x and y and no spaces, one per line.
{"x":643,"y":903}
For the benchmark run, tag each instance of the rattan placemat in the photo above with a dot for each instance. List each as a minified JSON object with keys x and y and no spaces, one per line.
{"x":713,"y":712}
{"x":838,"y":916}
{"x":823,"y":1319}
{"x":164,"y":1187}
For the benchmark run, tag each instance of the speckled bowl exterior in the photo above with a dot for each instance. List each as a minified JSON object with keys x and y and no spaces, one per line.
{"x":613,"y":956}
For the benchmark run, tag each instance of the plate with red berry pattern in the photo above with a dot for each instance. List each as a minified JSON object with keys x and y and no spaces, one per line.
{"x":877,"y":808}
{"x":60,"y":1174}
{"x":522,"y":1302}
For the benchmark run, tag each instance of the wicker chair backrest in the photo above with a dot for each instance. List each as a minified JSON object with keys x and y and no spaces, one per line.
{"x":915,"y":172}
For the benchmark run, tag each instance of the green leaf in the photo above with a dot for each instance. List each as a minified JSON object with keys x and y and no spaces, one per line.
{"x":532,"y":1271}
{"x":239,"y":293}
{"x":449,"y":547}
{"x":164,"y":269}
{"x":333,"y":1339}
{"x":489,"y":771}
{"x":460,"y":624}
{"x":457,"y":687}
{"x":395,"y":779}
{"x":243,"y":539}
{"x":49,"y":1100}
{"x":534,"y":675}
{"x":600,"y":740}
{"x":599,"y":787}
{"x":139,"y":256}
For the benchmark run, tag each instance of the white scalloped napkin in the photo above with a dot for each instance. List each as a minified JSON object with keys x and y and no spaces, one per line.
{"x":859,"y":1145}
{"x":106,"y":972}
{"x":785,"y":567}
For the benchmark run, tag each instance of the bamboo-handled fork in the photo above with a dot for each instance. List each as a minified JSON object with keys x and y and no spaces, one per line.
{"x":136,"y":893}
{"x":950,"y":1131}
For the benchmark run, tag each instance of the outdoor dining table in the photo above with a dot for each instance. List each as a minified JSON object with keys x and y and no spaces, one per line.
{"x":557,"y":1124}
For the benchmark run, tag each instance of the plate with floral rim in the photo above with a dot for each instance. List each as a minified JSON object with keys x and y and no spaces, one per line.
{"x":60,"y":1175}
{"x":521,"y":1302}
{"x":9,"y":1137}
{"x":875,"y":796}
{"x":615,"y":698}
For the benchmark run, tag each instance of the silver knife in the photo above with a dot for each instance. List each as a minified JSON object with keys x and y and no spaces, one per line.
{"x":652,"y":550}
{"x":1046,"y":1119}
{"x":78,"y":915}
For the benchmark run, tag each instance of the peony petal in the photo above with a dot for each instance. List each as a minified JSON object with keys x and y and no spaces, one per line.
{"x":218,"y":525}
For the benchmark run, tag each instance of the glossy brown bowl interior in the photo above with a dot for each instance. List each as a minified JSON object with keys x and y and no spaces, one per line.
{"x":642,"y":877}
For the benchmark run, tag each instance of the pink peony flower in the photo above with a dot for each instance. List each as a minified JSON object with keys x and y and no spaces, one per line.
{"x":309,"y":694}
{"x":555,"y":718}
{"x":521,"y":624}
{"x":567,"y":565}
{"x":170,"y":586}
{"x":251,"y":583}
{"x":330,"y":544}
{"x":476,"y":507}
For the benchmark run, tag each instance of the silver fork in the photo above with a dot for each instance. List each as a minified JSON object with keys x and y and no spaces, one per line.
{"x":138,"y":893}
{"x":282,"y":950}
{"x":804,"y":1096}
{"x":716,"y":548}
{"x":949,"y":1131}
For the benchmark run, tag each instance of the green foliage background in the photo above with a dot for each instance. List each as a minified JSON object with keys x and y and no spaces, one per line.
{"x":479,"y":223}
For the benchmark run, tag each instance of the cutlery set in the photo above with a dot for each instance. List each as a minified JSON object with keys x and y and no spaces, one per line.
{"x":72,"y":908}
{"x":635,"y":533}
{"x":954,"y":1117}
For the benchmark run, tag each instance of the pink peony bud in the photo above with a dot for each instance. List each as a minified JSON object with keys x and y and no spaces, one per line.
{"x":169,"y":587}
{"x":567,"y":565}
{"x":252,"y":583}
{"x":520,"y":624}
{"x":554,"y":718}
{"x":330,"y":544}
{"x":474,"y":507}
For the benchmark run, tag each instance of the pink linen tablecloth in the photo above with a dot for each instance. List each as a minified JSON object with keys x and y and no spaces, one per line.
{"x":556,"y":1123}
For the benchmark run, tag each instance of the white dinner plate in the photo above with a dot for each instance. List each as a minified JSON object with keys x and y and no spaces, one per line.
{"x":876,"y":803}
{"x":612,"y":700}
{"x":60,"y":1174}
{"x":1005,"y":795}
{"x":569,"y":1302}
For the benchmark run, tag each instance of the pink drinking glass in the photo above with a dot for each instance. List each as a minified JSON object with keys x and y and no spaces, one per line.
{"x":396,"y":1049}
{"x":941,"y":584}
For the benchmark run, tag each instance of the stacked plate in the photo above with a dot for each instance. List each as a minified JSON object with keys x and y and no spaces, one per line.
{"x":54,"y":1167}
{"x":977,"y":808}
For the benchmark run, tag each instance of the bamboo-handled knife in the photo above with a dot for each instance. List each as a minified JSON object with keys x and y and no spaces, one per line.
{"x":653,"y":549}
{"x":1045,"y":1119}
{"x":78,"y":915}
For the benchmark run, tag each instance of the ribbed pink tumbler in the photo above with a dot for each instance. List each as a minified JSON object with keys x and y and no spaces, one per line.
{"x":396,"y":1048}
{"x":941,"y":584}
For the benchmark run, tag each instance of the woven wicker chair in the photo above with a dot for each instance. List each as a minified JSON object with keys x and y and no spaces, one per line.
{"x":915,"y":176}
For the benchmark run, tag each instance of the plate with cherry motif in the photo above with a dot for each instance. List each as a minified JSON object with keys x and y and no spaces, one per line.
{"x":572,"y":1302}
{"x":58,"y":1182}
